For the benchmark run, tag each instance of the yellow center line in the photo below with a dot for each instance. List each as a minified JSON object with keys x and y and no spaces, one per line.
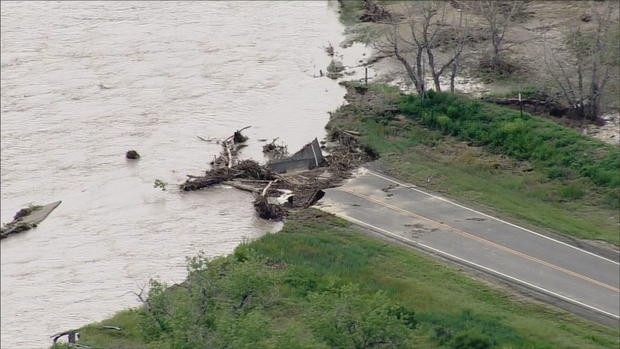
{"x":484,"y":241}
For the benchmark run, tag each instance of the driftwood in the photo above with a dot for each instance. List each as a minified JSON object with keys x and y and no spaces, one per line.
{"x":275,"y":151}
{"x":241,"y":186}
{"x":230,"y":160}
{"x":247,"y":169}
{"x":268,"y":186}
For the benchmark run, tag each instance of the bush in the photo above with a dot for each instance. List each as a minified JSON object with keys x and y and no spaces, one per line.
{"x":471,"y":339}
{"x":348,"y":318}
{"x":572,"y":192}
{"x":503,"y":130}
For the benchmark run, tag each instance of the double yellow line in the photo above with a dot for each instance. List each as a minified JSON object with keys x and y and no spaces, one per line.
{"x":479,"y":239}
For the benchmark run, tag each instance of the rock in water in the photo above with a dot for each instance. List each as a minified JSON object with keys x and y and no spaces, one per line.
{"x":132,"y":154}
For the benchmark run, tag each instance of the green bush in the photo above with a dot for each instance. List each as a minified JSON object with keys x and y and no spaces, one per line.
{"x":572,"y":192}
{"x":348,"y":318}
{"x":471,"y":339}
{"x":503,"y":130}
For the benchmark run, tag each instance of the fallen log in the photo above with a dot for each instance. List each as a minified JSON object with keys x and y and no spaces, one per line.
{"x":240,"y":186}
{"x":268,"y":186}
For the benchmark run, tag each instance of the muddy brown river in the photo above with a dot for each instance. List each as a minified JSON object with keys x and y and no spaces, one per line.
{"x":83,"y":82}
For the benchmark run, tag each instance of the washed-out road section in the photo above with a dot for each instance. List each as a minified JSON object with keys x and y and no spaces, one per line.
{"x":556,"y":271}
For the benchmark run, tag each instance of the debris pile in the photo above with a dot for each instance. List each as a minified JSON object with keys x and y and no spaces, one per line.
{"x":275,"y":151}
{"x":284,"y":183}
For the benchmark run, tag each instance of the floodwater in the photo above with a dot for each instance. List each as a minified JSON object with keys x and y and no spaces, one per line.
{"x":82,"y":83}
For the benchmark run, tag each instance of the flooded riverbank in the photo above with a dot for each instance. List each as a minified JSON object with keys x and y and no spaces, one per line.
{"x":82,"y":83}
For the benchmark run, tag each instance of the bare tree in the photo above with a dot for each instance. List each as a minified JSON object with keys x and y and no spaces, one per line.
{"x":424,"y":39}
{"x":499,"y":15}
{"x":409,"y":54}
{"x":462,"y":32}
{"x":593,"y":55}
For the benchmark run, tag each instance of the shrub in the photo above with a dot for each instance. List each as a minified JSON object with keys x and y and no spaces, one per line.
{"x":348,"y":318}
{"x":544,"y":143}
{"x":471,"y":339}
{"x":572,"y":192}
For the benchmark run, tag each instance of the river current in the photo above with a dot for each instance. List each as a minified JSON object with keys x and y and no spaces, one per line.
{"x":82,"y":83}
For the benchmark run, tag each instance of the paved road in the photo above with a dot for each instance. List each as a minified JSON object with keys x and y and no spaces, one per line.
{"x":540,"y":263}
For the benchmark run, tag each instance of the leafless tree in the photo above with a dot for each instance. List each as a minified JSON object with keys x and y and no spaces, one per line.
{"x":458,"y":48}
{"x":409,"y":54}
{"x":422,"y":44}
{"x":593,"y":55}
{"x":499,"y":15}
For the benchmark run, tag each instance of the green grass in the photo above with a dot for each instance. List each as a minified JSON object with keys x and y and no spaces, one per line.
{"x":547,"y":144}
{"x":319,"y":284}
{"x":524,"y":169}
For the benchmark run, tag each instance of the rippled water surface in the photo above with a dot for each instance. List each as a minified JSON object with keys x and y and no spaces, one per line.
{"x":82,"y":83}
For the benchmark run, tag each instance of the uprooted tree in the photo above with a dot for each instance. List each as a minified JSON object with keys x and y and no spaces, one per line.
{"x":583,"y":72}
{"x":425,"y":21}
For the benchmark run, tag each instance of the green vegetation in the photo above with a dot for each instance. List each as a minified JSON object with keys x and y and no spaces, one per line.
{"x":546,"y":144}
{"x":527,"y":169}
{"x":350,"y":11}
{"x":26,"y":211}
{"x":334,"y":69}
{"x":160,"y":184}
{"x":319,"y":284}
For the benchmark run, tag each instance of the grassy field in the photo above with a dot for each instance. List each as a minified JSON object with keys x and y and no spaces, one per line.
{"x":319,"y":284}
{"x":529,"y":170}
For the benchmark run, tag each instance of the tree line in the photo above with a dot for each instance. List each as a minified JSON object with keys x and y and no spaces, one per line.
{"x":428,"y":41}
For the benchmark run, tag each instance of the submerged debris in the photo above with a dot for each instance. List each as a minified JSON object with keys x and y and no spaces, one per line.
{"x":27,"y":218}
{"x":275,"y":151}
{"x":238,"y":137}
{"x":330,"y":49}
{"x":268,"y":210}
{"x":132,"y":154}
{"x":334,"y":69}
{"x":307,"y":158}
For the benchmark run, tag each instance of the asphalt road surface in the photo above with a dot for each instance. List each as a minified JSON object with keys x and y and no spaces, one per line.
{"x":560,"y":271}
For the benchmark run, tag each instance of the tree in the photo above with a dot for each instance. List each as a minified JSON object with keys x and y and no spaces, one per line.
{"x":499,"y":16}
{"x":424,"y":33}
{"x":593,"y":54}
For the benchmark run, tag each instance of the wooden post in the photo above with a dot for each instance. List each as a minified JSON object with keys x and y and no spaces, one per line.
{"x":366,"y":75}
